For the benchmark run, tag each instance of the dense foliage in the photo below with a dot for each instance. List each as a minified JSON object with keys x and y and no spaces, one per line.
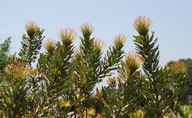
{"x":62,"y":84}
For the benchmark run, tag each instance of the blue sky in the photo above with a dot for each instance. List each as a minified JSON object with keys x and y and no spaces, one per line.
{"x":172,"y":21}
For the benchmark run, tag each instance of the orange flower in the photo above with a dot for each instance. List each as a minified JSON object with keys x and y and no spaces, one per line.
{"x":142,"y":25}
{"x":120,"y":40}
{"x":67,"y":36}
{"x":87,"y":29}
{"x":18,"y":71}
{"x":179,"y":67}
{"x":133,"y":60}
{"x":31,"y":28}
{"x":49,"y":44}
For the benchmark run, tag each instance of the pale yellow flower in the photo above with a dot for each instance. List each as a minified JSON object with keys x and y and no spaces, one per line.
{"x":179,"y":67}
{"x":87,"y":29}
{"x":133,"y":60}
{"x":142,"y":25}
{"x":31,"y":28}
{"x":120,"y":40}
{"x":67,"y":36}
{"x":49,"y":44}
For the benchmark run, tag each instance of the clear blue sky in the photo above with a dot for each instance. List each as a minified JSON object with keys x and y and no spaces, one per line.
{"x":172,"y":21}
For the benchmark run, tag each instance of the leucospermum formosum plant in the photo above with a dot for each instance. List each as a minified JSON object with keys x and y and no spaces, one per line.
{"x":156,"y":89}
{"x":54,"y":68}
{"x":32,"y":42}
{"x":90,"y":67}
{"x":179,"y":80}
{"x":15,"y":90}
{"x":120,"y":98}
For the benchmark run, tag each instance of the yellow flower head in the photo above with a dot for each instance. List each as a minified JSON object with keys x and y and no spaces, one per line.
{"x":49,"y":44}
{"x":179,"y":67}
{"x":142,"y":25}
{"x":31,"y":28}
{"x":133,"y":60}
{"x":67,"y":36}
{"x":87,"y":29}
{"x":98,"y":44}
{"x":120,"y":40}
{"x":18,"y":71}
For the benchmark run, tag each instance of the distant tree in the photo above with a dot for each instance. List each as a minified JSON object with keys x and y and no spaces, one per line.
{"x":4,"y":53}
{"x":188,"y":87}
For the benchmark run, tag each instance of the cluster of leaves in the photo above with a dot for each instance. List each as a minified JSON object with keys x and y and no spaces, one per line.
{"x":62,"y":85}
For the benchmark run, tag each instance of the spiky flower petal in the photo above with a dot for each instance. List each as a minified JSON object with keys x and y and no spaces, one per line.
{"x":179,"y":67}
{"x":31,"y":28}
{"x":67,"y":36}
{"x":49,"y":44}
{"x":120,"y":40}
{"x":87,"y":29}
{"x":142,"y":25}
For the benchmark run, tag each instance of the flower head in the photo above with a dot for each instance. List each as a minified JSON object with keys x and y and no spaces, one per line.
{"x":120,"y":40}
{"x":67,"y":36}
{"x":98,"y":44}
{"x":133,"y":60}
{"x":18,"y":71}
{"x":179,"y":67}
{"x":49,"y":44}
{"x":142,"y":25}
{"x":31,"y":28}
{"x":87,"y":29}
